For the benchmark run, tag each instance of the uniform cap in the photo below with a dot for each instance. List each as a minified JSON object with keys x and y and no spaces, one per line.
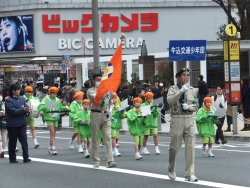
{"x":114,"y":95}
{"x":96,"y":75}
{"x":149,"y":95}
{"x":207,"y":99}
{"x":137,"y":99}
{"x":28,"y":88}
{"x":79,"y":95}
{"x":180,"y":71}
{"x":86,"y":101}
{"x":53,"y":90}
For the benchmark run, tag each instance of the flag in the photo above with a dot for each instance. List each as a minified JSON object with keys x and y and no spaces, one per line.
{"x":111,"y":77}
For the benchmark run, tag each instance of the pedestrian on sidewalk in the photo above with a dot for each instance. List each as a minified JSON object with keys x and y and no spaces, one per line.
{"x":245,"y":103}
{"x":203,"y":90}
{"x":182,"y":101}
{"x":135,"y":126}
{"x":205,"y":121}
{"x":219,"y":100}
{"x":3,"y":130}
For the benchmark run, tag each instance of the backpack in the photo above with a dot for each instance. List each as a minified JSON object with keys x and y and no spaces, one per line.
{"x":71,"y":94}
{"x":148,"y":89}
{"x":215,"y":97}
{"x":66,"y":94}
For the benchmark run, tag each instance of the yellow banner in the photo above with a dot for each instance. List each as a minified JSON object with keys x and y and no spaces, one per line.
{"x":225,"y":49}
{"x":8,"y":69}
{"x":234,"y":50}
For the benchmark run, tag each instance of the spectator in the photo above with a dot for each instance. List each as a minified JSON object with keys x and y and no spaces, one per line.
{"x":22,"y":90}
{"x":156,"y":90}
{"x":16,"y":112}
{"x":125,"y":92}
{"x":203,"y":90}
{"x":85,"y":89}
{"x":141,"y":94}
{"x":245,"y":102}
{"x":219,"y":100}
{"x":147,"y":86}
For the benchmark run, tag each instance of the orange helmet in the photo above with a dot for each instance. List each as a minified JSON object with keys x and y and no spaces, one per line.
{"x":28,"y":88}
{"x":207,"y":99}
{"x":149,"y":95}
{"x":79,"y":95}
{"x":86,"y":101}
{"x":114,"y":95}
{"x":137,"y":99}
{"x":53,"y":90}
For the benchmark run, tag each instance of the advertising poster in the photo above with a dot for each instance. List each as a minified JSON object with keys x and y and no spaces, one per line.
{"x":235,"y":92}
{"x":16,"y":33}
{"x":235,"y":71}
{"x":227,"y":92}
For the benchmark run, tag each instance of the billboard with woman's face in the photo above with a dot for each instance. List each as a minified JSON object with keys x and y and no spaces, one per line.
{"x":16,"y":33}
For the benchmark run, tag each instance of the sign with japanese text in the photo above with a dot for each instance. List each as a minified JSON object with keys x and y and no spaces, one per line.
{"x":234,"y":49}
{"x":109,"y":23}
{"x":226,"y":71}
{"x":225,"y":50}
{"x":187,"y":50}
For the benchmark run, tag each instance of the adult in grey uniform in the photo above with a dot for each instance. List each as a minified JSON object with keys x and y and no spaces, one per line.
{"x":100,"y":119}
{"x":182,"y":99}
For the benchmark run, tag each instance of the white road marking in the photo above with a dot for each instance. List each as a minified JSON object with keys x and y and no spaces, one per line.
{"x":198,"y":146}
{"x":134,"y":172}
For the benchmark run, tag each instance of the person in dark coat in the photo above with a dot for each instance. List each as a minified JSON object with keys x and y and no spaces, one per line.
{"x":85,"y":89}
{"x":125,"y":93}
{"x":246,"y":102}
{"x":203,"y":90}
{"x":16,"y":111}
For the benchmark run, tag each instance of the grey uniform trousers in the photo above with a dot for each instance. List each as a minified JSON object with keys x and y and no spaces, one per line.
{"x":100,"y":121}
{"x":182,"y":128}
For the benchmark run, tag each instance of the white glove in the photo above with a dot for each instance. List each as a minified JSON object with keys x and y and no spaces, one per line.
{"x":185,"y":106}
{"x":184,"y":88}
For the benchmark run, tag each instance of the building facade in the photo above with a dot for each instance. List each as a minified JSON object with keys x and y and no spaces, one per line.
{"x":46,"y":30}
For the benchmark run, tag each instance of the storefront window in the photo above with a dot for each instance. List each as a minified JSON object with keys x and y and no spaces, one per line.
{"x":215,"y":72}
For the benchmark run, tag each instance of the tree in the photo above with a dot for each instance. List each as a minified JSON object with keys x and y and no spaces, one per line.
{"x":164,"y":71}
{"x":242,"y":8}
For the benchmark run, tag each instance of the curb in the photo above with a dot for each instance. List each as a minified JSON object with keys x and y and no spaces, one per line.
{"x":161,"y":133}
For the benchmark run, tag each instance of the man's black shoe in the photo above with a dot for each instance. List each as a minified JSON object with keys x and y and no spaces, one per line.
{"x":13,"y":161}
{"x":26,"y":160}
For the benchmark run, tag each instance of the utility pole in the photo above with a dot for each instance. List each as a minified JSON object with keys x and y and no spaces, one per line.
{"x":95,"y":21}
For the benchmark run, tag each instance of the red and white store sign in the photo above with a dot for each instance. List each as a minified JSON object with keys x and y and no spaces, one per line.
{"x":145,"y":22}
{"x":109,"y":23}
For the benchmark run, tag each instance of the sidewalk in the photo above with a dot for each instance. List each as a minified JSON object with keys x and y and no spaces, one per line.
{"x":241,"y":136}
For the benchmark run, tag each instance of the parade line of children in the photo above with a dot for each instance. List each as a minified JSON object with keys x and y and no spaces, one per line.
{"x":140,"y":127}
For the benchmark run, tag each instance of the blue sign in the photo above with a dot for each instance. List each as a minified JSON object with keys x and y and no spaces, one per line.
{"x":187,"y":50}
{"x":63,"y":66}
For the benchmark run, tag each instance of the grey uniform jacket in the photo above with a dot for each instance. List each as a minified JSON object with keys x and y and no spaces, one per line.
{"x":173,"y":97}
{"x":104,"y":104}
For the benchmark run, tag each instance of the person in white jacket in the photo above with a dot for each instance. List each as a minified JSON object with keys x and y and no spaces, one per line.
{"x":219,"y":100}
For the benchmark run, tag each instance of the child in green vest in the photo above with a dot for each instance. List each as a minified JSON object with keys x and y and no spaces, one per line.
{"x":135,"y":125}
{"x":205,"y":121}
{"x":151,"y":125}
{"x":116,"y":124}
{"x":82,"y":121}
